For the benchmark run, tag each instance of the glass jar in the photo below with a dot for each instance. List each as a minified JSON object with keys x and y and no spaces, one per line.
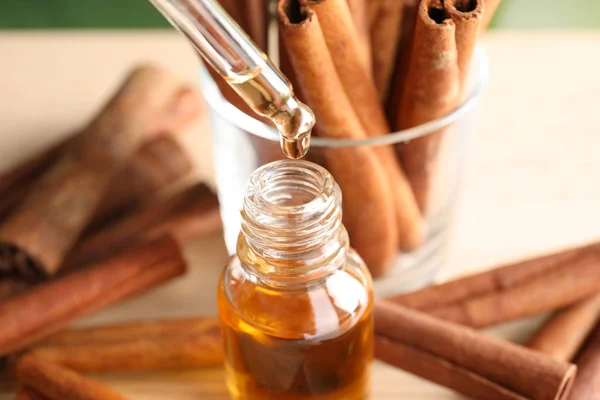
{"x":243,"y":144}
{"x":296,"y":302}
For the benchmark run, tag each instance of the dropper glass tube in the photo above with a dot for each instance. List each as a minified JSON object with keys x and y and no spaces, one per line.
{"x":227,"y":48}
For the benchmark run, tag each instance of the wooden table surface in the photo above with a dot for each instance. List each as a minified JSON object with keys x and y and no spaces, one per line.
{"x":533,"y":180}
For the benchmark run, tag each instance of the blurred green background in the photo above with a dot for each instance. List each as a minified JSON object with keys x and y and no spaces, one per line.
{"x":94,"y":14}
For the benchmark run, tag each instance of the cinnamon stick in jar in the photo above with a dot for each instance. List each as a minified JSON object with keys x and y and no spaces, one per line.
{"x":360,"y":17}
{"x":468,"y":17}
{"x":430,"y":90}
{"x":48,"y":307}
{"x":563,"y":335}
{"x":36,"y":237}
{"x":58,"y":383}
{"x":333,"y":19}
{"x":467,"y":361}
{"x":368,"y":203}
{"x":138,"y":346}
{"x":386,"y":29}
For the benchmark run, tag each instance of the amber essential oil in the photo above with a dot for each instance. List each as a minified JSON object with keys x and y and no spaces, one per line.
{"x":296,"y":302}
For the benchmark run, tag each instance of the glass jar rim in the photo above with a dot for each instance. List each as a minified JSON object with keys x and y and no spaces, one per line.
{"x":230,"y":113}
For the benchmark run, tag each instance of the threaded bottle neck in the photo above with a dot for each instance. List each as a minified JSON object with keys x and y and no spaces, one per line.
{"x":292,"y":223}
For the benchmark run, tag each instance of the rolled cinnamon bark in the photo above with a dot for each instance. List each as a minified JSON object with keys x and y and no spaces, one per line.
{"x":386,"y":28}
{"x":15,"y":184}
{"x":467,"y":361}
{"x":562,"y":286}
{"x":368,"y":201}
{"x":430,"y":90}
{"x":192,"y":212}
{"x":341,"y":38}
{"x":468,"y":17}
{"x":29,"y":394}
{"x":48,"y":307}
{"x":27,"y":170}
{"x":495,"y":280}
{"x":258,"y":21}
{"x":360,"y":17}
{"x":36,"y":237}
{"x":562,"y":336}
{"x":128,"y":331}
{"x":157,"y":164}
{"x":58,"y":383}
{"x":12,"y":286}
{"x":587,"y":383}
{"x":152,"y":345}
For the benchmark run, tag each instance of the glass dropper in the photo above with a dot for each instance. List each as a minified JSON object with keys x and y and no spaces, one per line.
{"x":227,"y":48}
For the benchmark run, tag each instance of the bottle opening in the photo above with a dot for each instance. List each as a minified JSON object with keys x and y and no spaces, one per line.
{"x":292,"y":220}
{"x":292,"y":191}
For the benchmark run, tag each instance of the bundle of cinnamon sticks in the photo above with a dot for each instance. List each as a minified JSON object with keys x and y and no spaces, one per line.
{"x":429,"y":332}
{"x":97,"y":191}
{"x":368,"y":68}
{"x":52,"y":368}
{"x":411,"y":333}
{"x":97,"y":219}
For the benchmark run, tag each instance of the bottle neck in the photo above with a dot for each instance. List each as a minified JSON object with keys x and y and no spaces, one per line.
{"x":292,"y":231}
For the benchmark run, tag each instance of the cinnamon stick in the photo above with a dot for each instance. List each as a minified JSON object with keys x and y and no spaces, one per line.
{"x":430,"y":90}
{"x":156,"y":164}
{"x":341,"y":39}
{"x":258,"y":22}
{"x":386,"y":28}
{"x":48,"y":307}
{"x":360,"y":17}
{"x":192,"y":212}
{"x":467,"y":361}
{"x":159,"y":164}
{"x":134,"y":330}
{"x":562,"y":286}
{"x":368,"y":203}
{"x":12,"y":286}
{"x":587,"y":383}
{"x":495,"y":280}
{"x":468,"y":17}
{"x":26,"y":393}
{"x":563,"y":335}
{"x":36,"y":237}
{"x":25,"y":171}
{"x":15,"y":184}
{"x":145,"y":346}
{"x":58,"y":383}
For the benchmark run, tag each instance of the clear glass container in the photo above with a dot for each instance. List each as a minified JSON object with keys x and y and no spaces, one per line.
{"x":296,"y":302}
{"x":243,"y":144}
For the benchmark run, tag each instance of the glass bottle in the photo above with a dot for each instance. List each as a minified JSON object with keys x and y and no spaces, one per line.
{"x":295,"y":304}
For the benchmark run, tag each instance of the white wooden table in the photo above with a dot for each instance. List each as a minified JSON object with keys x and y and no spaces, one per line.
{"x":534,"y":179}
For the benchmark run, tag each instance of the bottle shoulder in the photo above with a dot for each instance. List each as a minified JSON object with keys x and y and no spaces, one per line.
{"x":321,"y":309}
